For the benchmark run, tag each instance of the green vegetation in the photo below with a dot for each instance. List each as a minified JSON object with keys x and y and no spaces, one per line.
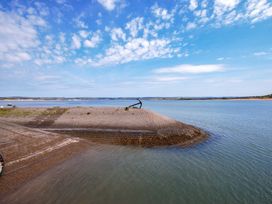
{"x":21,"y":112}
{"x":53,"y":111}
{"x":5,"y":112}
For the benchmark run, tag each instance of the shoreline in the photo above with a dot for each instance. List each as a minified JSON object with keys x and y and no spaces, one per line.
{"x":166,"y":99}
{"x":106,"y":124}
{"x":146,"y":98}
{"x":33,"y":140}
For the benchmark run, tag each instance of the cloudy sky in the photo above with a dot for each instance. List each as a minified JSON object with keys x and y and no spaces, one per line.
{"x":113,"y":48}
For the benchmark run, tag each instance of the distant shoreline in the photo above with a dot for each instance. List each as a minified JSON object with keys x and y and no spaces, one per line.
{"x":268,"y":97}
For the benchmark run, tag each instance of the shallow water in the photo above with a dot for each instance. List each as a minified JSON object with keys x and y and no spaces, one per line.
{"x":232,"y":166}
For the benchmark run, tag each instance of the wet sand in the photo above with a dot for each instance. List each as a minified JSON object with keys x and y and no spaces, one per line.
{"x":29,"y":152}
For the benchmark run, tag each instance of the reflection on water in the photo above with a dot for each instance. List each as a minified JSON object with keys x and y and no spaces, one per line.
{"x":233,"y":166}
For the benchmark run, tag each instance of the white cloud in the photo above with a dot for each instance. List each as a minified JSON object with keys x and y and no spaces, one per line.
{"x":16,"y":32}
{"x":258,"y":10}
{"x":204,"y":4}
{"x":134,"y":50}
{"x":223,"y":6}
{"x":47,"y":59}
{"x":53,"y":50}
{"x":26,"y":35}
{"x":18,"y":35}
{"x":94,"y":41}
{"x":117,"y":33}
{"x":191,"y":69}
{"x":81,"y":61}
{"x":15,"y":57}
{"x":79,"y":22}
{"x":227,"y":3}
{"x":36,"y":20}
{"x":135,"y":25}
{"x":193,"y":5}
{"x":190,"y":26}
{"x":161,"y":12}
{"x":228,"y":12}
{"x":44,"y":77}
{"x":62,"y":37}
{"x":83,"y":33}
{"x":42,"y":9}
{"x":169,"y":79}
{"x":108,"y":4}
{"x":76,"y":44}
{"x":260,"y":53}
{"x":203,"y":18}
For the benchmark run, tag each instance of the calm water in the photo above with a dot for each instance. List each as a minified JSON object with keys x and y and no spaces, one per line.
{"x":233,"y":166}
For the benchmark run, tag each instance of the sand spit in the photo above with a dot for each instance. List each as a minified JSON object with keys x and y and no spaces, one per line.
{"x":108,"y":125}
{"x":32,"y":140}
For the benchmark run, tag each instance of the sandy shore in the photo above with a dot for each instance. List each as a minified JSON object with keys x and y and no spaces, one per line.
{"x":32,"y":140}
{"x":108,"y":125}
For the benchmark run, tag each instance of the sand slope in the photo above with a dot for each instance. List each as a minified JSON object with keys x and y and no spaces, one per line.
{"x":28,"y":152}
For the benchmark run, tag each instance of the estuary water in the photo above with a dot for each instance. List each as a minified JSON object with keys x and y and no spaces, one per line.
{"x":233,"y":166}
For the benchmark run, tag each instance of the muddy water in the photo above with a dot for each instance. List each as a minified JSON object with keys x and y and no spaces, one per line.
{"x":232,"y":166}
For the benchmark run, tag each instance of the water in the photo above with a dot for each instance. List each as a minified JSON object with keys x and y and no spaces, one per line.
{"x":232,"y":166}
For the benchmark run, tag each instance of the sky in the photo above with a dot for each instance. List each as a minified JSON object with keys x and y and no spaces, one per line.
{"x":125,"y":48}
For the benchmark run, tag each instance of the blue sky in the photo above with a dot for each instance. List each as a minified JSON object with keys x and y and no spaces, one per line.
{"x":97,"y":48}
